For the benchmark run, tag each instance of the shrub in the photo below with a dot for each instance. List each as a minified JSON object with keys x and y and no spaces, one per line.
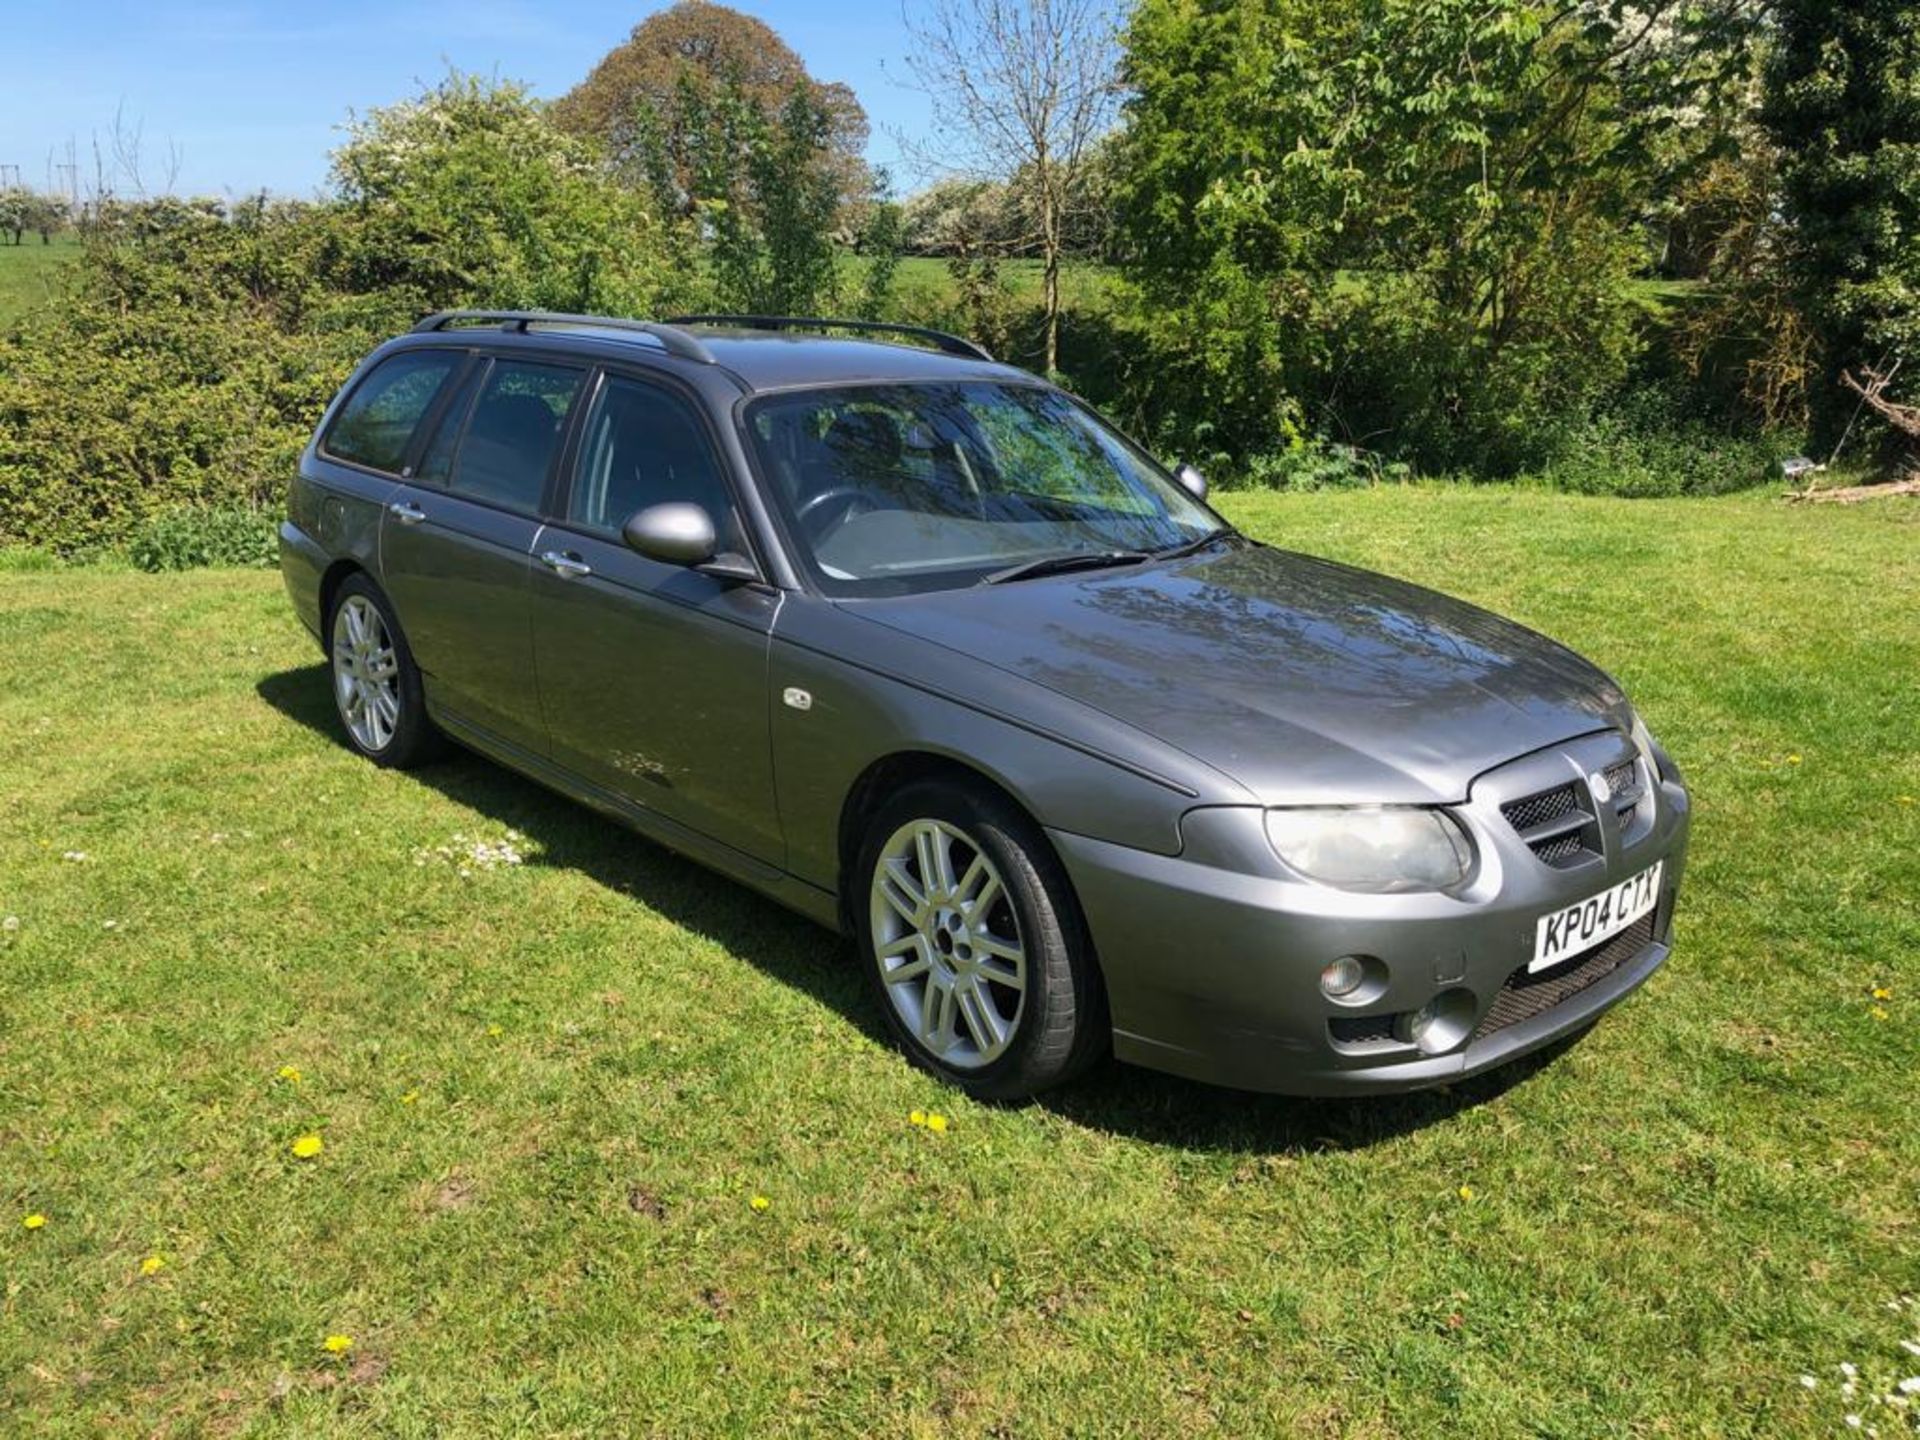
{"x":197,"y":345}
{"x":188,"y":539}
{"x":1645,"y":445}
{"x":1315,"y":464}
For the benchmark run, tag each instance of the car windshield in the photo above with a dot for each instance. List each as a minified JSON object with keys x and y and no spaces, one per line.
{"x":898,"y":488}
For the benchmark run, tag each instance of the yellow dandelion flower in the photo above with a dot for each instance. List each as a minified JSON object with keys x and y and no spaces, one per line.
{"x":1466,"y":1192}
{"x":337,"y":1344}
{"x":308,"y":1146}
{"x":937,"y":1123}
{"x":153,"y":1264}
{"x":760,"y":1202}
{"x":917,"y":1117}
{"x":290,"y":1074}
{"x":410,"y":1097}
{"x":34,"y":1221}
{"x":1793,"y":759}
{"x":1878,"y":1013}
{"x":1881,"y":992}
{"x":495,"y":1031}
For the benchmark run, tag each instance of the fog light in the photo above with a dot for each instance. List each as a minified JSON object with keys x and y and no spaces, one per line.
{"x":1342,"y":977}
{"x":1443,"y":1023}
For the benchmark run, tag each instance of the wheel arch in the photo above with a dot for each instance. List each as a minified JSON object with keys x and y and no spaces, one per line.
{"x":884,"y":777}
{"x":331,"y":579}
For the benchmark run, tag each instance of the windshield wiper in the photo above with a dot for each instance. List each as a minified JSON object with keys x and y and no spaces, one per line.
{"x":1199,"y":542}
{"x":1061,"y":564}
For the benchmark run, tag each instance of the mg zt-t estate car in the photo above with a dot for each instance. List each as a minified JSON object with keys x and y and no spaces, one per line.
{"x":918,"y":645}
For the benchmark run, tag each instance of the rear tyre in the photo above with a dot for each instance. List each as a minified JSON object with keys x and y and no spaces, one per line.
{"x":376,"y":686}
{"x":971,"y":938}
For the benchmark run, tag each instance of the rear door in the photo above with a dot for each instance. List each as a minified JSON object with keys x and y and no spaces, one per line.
{"x":654,"y":677}
{"x":456,"y":543}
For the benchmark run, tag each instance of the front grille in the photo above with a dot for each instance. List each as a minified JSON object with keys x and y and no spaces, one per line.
{"x":1562,"y":850}
{"x":1623,"y":780}
{"x":1558,"y":825}
{"x":1541,"y":809}
{"x":1525,"y":996}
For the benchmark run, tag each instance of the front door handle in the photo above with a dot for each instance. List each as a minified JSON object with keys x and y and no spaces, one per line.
{"x":566,"y":566}
{"x":406,"y":512}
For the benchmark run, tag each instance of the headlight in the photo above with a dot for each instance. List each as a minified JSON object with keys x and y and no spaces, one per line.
{"x":1643,"y":742}
{"x":1659,"y":764}
{"x":1381,"y":850}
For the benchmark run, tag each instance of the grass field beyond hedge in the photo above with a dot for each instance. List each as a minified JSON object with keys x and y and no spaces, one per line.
{"x":29,"y":272}
{"x":549,"y":1092}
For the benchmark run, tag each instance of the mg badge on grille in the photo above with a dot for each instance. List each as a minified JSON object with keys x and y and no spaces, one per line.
{"x":1602,"y":792}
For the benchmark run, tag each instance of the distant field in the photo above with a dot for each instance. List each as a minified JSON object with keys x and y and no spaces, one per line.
{"x":923,"y":281}
{"x":27,"y":273}
{"x":548,"y":1092}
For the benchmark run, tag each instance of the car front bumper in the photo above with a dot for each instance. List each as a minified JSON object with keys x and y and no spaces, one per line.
{"x":1212,"y":957}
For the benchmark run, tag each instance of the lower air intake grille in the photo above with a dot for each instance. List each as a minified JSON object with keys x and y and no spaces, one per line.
{"x":1362,"y":1029}
{"x":1525,"y":996}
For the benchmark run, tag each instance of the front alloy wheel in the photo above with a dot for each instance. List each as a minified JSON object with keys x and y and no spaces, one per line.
{"x":974,"y":943}
{"x":948,"y":944}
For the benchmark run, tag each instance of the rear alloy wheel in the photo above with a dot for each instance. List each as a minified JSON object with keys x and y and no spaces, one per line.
{"x":975,"y":945}
{"x":376,"y":685}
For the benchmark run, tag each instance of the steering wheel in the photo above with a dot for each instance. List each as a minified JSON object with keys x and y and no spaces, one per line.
{"x":816,"y":511}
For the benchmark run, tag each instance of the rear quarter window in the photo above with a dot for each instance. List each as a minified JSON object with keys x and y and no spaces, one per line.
{"x":375,"y":426}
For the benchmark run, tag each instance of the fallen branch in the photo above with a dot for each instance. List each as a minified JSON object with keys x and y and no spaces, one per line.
{"x":1854,"y":494}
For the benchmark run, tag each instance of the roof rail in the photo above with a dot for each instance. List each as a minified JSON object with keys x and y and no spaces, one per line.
{"x":673,"y":341}
{"x":951,"y":344}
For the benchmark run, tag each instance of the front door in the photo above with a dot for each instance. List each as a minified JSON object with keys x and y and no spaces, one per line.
{"x":653,"y":677}
{"x":457,"y":540}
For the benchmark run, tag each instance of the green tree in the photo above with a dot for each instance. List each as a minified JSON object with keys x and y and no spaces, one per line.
{"x":763,"y":202}
{"x":1843,"y":107}
{"x":468,"y":195}
{"x":650,"y":102}
{"x":1440,"y":200}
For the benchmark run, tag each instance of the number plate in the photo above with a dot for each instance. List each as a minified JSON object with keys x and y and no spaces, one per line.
{"x":1566,"y":933}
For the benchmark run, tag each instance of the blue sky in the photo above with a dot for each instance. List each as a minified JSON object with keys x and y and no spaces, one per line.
{"x":250,"y":94}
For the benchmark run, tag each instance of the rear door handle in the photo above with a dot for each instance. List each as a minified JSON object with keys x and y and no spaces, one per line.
{"x":566,"y":566}
{"x":406,"y":512}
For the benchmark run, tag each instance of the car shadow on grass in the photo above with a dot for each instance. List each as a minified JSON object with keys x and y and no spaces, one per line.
{"x":1166,"y":1110}
{"x":569,"y":835}
{"x":1118,"y":1099}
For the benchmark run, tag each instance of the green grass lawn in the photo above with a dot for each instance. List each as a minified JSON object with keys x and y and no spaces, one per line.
{"x":549,"y":1092}
{"x":28,"y":272}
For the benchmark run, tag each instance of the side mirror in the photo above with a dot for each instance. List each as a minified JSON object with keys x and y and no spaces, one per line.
{"x":681,"y":533}
{"x":676,"y":534}
{"x":1192,"y":481}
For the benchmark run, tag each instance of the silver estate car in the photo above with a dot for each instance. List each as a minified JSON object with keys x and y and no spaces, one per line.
{"x":918,"y":645}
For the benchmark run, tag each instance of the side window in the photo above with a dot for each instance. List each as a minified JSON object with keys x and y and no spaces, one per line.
{"x":516,"y":426}
{"x":436,"y":461}
{"x":376,"y":424}
{"x":643,"y":446}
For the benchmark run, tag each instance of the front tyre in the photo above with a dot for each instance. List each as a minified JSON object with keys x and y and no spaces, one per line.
{"x":376,"y":686}
{"x":973,"y":941}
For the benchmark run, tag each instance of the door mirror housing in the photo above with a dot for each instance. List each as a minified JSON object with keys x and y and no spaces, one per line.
{"x":679,"y":533}
{"x":1191,"y":481}
{"x":682,"y":533}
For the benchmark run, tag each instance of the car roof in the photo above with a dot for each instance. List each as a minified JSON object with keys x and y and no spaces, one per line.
{"x":779,"y":359}
{"x":757,"y":359}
